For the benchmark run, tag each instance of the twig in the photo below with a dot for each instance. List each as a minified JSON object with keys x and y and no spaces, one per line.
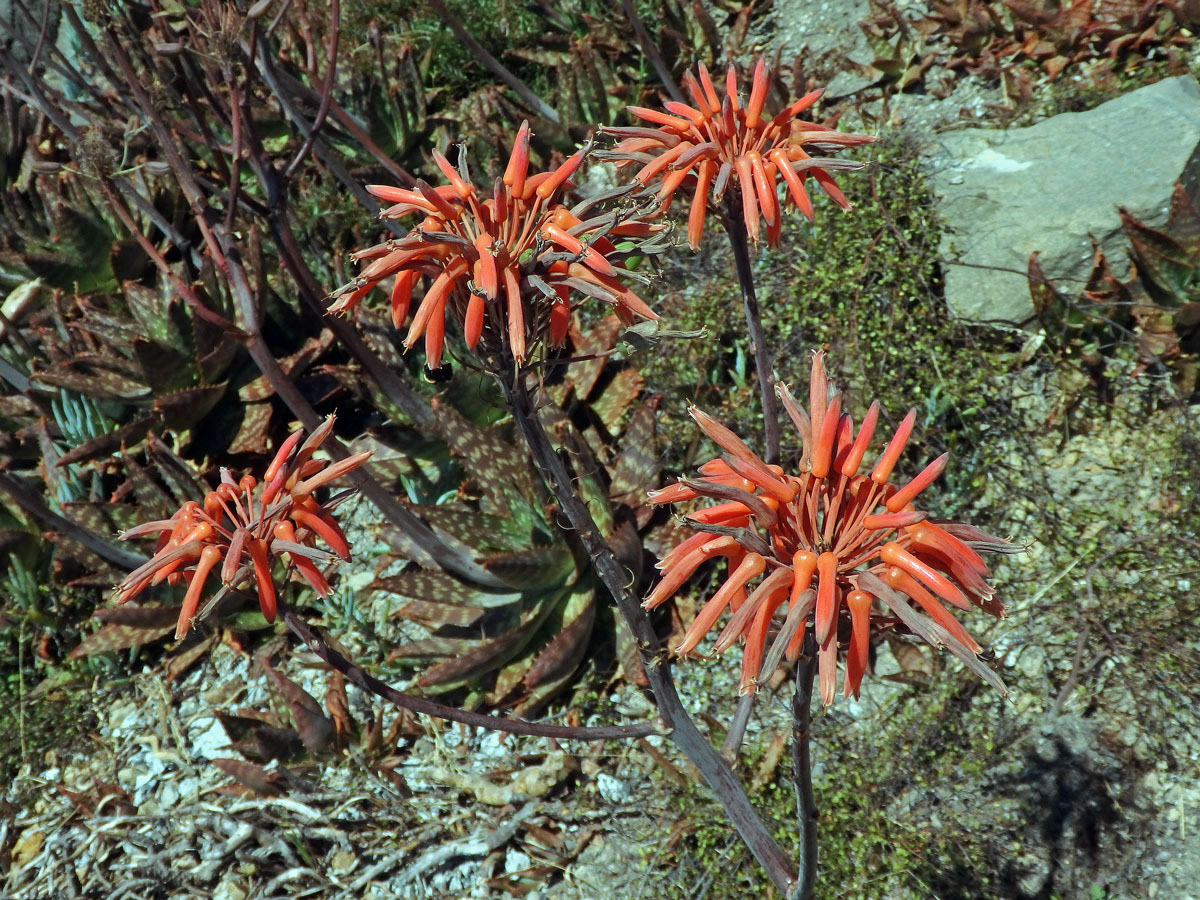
{"x":494,"y":65}
{"x":41,"y":41}
{"x":359,"y":676}
{"x":736,"y":230}
{"x":649,"y":48}
{"x":335,"y":29}
{"x":33,"y":504}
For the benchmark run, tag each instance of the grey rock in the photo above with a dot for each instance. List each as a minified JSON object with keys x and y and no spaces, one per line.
{"x":1048,"y":187}
{"x":829,"y":30}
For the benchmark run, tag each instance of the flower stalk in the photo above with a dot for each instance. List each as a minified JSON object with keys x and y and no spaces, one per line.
{"x":683,"y":731}
{"x":806,"y":804}
{"x":735,"y":229}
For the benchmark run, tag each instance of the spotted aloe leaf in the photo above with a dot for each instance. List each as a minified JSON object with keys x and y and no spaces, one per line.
{"x":437,"y":615}
{"x":501,"y":472}
{"x":482,"y":532}
{"x":127,"y":626}
{"x":521,"y":647}
{"x":94,"y":381}
{"x":104,"y":444}
{"x":440,"y":587}
{"x":571,"y":628}
{"x":1168,"y":260}
{"x":600,"y":339}
{"x":617,"y":397}
{"x":182,"y":409}
{"x":486,"y":656}
{"x":637,"y":466}
{"x":534,"y":569}
{"x":267,"y":783}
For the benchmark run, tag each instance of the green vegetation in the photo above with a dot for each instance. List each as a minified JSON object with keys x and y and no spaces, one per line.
{"x":864,"y":285}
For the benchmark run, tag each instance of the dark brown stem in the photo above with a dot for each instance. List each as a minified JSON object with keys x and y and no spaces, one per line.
{"x":274,"y":187}
{"x":806,"y":805}
{"x":368,"y":682}
{"x":735,"y":228}
{"x":618,"y":581}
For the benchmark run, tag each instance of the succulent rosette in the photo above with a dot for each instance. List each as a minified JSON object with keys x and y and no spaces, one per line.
{"x":245,"y":525}
{"x":722,"y":143}
{"x":503,"y":266}
{"x":843,"y":552}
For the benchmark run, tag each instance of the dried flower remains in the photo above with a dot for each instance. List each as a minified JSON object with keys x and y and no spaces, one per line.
{"x":721,"y":144}
{"x":245,"y":525}
{"x":842,"y":552}
{"x":505,"y":266}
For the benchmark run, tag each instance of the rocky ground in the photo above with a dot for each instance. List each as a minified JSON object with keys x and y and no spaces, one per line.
{"x":1083,"y":783}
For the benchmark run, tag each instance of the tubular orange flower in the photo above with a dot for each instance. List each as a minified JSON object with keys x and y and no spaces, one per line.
{"x":502,"y":266}
{"x":722,"y":145}
{"x":247,"y":524}
{"x":846,"y":550}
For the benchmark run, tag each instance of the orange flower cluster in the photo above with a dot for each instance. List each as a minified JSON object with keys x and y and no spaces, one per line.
{"x":720,"y":143}
{"x":849,"y":551}
{"x":503,"y":266}
{"x":244,"y":525}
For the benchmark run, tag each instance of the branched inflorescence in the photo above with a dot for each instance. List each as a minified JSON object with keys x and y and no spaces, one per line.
{"x":245,"y":525}
{"x":721,"y":143}
{"x":847,"y":551}
{"x":505,"y":266}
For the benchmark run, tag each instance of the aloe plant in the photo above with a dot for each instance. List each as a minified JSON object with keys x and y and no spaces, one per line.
{"x":1158,"y":303}
{"x":528,"y":639}
{"x":1164,"y":291}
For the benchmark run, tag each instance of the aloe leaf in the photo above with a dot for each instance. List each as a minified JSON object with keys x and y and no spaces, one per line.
{"x":105,"y":444}
{"x":314,"y":727}
{"x":440,"y":587}
{"x":1158,"y":256}
{"x":1183,"y":222}
{"x":155,"y":502}
{"x":500,"y":470}
{"x":164,"y":368}
{"x":253,"y":430}
{"x":151,"y":310}
{"x":571,"y":629}
{"x":436,"y":615}
{"x":616,"y":398}
{"x":491,"y":654}
{"x":638,"y":465}
{"x":181,"y":410}
{"x":256,"y":778}
{"x":136,"y":616}
{"x":601,"y":338}
{"x":119,"y":637}
{"x":102,"y":518}
{"x":482,"y":532}
{"x":174,"y":472}
{"x":98,"y":383}
{"x":534,"y":569}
